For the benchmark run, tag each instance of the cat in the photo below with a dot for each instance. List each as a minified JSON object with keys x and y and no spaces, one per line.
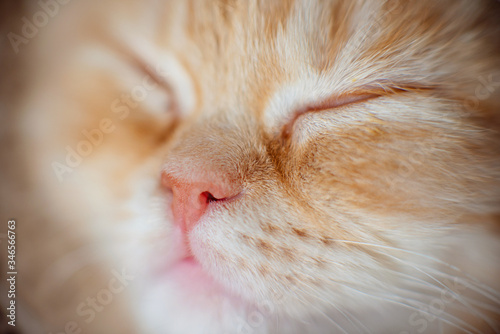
{"x":253,"y":166}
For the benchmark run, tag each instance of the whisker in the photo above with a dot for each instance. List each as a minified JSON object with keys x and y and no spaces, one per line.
{"x":323,"y":313}
{"x":460,"y":324}
{"x":360,"y":324}
{"x":426,"y":284}
{"x":479,"y":289}
{"x":481,"y":285}
{"x":457,"y":296}
{"x":344,"y":313}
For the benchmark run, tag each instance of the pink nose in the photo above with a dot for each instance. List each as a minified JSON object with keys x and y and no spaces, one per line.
{"x":191,"y":198}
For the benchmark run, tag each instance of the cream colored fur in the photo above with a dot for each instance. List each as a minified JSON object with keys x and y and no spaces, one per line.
{"x":378,"y":216}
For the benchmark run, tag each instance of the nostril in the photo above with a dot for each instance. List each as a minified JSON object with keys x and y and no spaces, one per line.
{"x":192,"y":198}
{"x":210,"y":197}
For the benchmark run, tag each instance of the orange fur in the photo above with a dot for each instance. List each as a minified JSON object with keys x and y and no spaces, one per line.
{"x":364,"y":135}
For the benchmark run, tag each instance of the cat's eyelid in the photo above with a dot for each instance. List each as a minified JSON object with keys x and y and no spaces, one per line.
{"x":166,"y":86}
{"x":342,"y":100}
{"x":333,"y":102}
{"x":360,"y":95}
{"x":142,"y":65}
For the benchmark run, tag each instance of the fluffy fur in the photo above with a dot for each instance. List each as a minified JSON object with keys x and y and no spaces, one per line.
{"x":362,"y":137}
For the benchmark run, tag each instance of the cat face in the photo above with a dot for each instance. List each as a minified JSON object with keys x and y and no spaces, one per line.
{"x":268,"y":167}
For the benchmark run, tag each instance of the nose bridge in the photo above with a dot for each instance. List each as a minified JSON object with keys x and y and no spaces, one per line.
{"x":214,"y":143}
{"x":202,"y":168}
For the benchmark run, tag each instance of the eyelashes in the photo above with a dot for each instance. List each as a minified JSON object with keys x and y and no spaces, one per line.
{"x":359,"y":96}
{"x":336,"y":101}
{"x":340,"y":101}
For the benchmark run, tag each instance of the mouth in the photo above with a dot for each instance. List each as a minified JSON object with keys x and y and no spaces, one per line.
{"x":187,"y":275}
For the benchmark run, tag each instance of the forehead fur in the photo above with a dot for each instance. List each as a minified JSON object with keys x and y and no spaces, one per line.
{"x":253,"y":47}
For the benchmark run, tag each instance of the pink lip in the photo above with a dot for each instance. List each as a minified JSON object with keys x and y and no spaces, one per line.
{"x":189,"y":275}
{"x":191,"y":280}
{"x":183,"y":268}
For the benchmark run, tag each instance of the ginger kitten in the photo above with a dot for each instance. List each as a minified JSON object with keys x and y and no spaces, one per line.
{"x":254,"y":166}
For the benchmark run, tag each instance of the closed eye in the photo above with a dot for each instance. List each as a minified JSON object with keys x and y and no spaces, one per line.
{"x":333,"y":102}
{"x":142,"y":66}
{"x":338,"y":101}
